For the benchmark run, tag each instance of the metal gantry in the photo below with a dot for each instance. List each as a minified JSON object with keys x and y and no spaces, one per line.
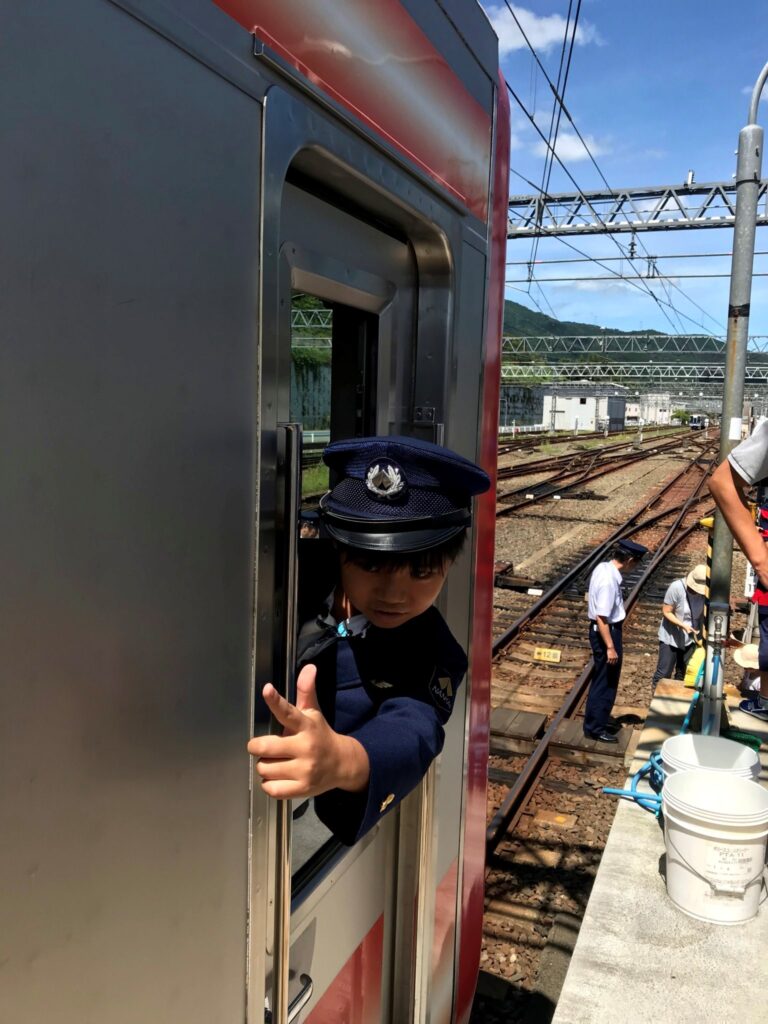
{"x":655,"y":373}
{"x":657,"y":377}
{"x":647,"y":360}
{"x":626,"y":344}
{"x":609,"y":211}
{"x":311,"y":318}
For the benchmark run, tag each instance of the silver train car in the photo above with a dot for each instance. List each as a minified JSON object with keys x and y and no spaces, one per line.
{"x":176,"y":174}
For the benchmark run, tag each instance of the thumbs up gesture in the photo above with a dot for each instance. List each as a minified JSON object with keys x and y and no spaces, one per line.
{"x":309,"y":758}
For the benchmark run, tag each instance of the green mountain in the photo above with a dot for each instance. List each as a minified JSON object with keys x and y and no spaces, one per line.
{"x":519,"y":320}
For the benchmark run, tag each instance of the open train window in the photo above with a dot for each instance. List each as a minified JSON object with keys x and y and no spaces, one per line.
{"x":340,"y":347}
{"x":333,"y":359}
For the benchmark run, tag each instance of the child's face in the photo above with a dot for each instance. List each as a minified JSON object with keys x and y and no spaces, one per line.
{"x":390,"y":597}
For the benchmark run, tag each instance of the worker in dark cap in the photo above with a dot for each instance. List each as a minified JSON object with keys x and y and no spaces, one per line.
{"x":379,"y":668}
{"x":606,"y":616}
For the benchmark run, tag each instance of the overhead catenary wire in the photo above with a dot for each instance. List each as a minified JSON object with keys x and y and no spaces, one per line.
{"x":606,"y":259}
{"x":558,"y":95}
{"x":557,"y":107}
{"x":551,"y":149}
{"x":599,"y":261}
{"x":533,"y":300}
{"x":616,"y":275}
{"x":646,"y":290}
{"x":614,"y":259}
{"x":546,"y":300}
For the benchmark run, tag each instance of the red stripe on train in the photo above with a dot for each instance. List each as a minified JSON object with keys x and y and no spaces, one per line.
{"x":477,"y":755}
{"x":354,"y":996}
{"x":374,"y":60}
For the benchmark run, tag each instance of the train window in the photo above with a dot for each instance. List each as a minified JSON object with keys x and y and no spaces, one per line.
{"x":339,"y":349}
{"x":333,"y":358}
{"x":311,"y":354}
{"x":333,"y":355}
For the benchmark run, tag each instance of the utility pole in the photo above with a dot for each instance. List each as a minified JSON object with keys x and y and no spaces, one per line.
{"x":748,"y":168}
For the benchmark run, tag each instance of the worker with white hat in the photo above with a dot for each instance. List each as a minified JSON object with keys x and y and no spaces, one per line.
{"x":682,"y":614}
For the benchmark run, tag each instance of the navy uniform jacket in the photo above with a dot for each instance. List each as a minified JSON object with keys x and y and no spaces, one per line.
{"x":392,"y":690}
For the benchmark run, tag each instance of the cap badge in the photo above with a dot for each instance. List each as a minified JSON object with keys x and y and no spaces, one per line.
{"x":385,"y":480}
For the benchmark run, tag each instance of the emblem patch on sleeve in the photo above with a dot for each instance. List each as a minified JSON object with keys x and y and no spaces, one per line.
{"x":441,"y":690}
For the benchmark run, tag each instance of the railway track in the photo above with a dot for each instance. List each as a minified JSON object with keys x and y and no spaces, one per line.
{"x":581,"y":455}
{"x":548,"y":819}
{"x":529,"y":442}
{"x":573,"y":470}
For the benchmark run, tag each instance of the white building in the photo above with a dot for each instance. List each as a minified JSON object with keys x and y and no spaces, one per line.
{"x":584,"y":406}
{"x":650,"y":408}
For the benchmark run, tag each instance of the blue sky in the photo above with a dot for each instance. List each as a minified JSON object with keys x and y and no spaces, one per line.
{"x":656,"y":89}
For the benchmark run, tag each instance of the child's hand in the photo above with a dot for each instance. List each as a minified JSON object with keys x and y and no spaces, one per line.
{"x":309,"y":758}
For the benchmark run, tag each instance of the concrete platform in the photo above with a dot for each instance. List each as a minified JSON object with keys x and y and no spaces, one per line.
{"x":638,"y":958}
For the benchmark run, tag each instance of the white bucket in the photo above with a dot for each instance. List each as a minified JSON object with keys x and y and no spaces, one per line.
{"x":691,"y":752}
{"x":715,"y":829}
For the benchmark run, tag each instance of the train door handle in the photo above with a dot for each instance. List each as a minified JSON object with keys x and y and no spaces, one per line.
{"x":298,"y":1003}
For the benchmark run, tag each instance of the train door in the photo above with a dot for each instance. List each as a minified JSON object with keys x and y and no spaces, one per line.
{"x":347,"y":947}
{"x":127,"y":381}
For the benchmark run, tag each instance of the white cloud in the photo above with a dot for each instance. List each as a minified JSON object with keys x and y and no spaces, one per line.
{"x":615,"y":284}
{"x":543,"y":32}
{"x":569,"y":147}
{"x":609,"y":285}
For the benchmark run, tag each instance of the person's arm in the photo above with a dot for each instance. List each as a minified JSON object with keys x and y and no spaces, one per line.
{"x":310,"y":757}
{"x":400,"y":741}
{"x":727,"y":487}
{"x":668,"y":611}
{"x":605,"y":632}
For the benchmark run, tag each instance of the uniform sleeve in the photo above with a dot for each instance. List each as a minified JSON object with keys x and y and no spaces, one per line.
{"x":603,"y":593}
{"x":401,"y":741}
{"x":750,"y":458}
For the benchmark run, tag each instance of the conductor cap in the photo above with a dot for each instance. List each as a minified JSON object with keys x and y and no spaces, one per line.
{"x":398,"y":494}
{"x":632,"y":548}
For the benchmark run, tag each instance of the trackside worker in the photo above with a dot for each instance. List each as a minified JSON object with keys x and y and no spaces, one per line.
{"x":681,"y":618}
{"x":606,"y":617}
{"x":746,"y":465}
{"x":379,"y":666}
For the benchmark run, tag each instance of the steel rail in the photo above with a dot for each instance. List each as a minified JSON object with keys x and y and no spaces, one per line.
{"x":602,"y":469}
{"x":527,"y":441}
{"x":629,"y":527}
{"x":505,"y":472}
{"x":563,"y":436}
{"x":518,"y":797}
{"x":609,"y":454}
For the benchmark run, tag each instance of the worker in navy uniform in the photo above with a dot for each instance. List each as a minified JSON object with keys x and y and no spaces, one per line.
{"x":379,"y":668}
{"x":606,"y":618}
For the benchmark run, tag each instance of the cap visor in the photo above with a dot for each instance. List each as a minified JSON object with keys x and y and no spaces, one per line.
{"x":404,"y":542}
